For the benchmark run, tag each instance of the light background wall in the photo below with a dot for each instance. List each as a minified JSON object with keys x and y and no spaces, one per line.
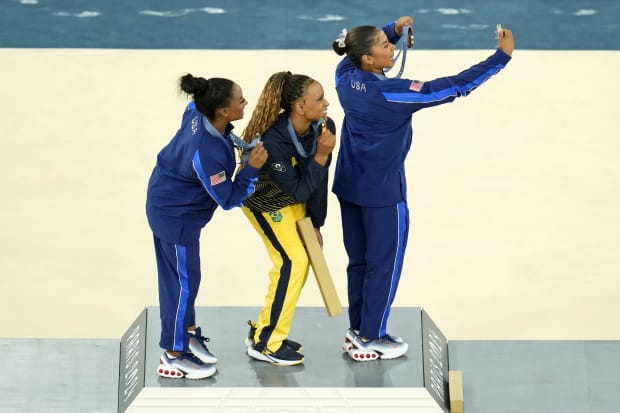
{"x":514,"y":192}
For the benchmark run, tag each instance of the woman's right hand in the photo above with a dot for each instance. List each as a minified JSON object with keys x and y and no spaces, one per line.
{"x":258,"y":156}
{"x":505,"y":41}
{"x":402,"y":22}
{"x":325,"y":146}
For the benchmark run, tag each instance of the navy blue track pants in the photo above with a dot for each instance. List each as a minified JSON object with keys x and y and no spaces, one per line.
{"x":178,"y":268}
{"x":375,"y":240}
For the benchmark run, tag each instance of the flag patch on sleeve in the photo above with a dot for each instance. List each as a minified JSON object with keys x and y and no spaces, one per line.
{"x":416,"y":85}
{"x":218,"y":178}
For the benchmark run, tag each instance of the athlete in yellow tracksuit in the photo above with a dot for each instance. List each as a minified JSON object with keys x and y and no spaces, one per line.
{"x":292,"y":184}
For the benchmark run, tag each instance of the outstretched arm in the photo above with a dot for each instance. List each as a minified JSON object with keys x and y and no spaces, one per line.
{"x":409,"y":96}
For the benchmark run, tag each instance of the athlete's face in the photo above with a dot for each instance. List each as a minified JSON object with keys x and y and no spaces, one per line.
{"x":237,"y":104}
{"x":314,"y":105}
{"x":381,"y":54}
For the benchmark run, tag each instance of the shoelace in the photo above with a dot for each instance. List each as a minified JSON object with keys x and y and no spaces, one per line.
{"x":198,"y":335}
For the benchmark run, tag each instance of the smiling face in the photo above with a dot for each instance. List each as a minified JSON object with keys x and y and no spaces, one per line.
{"x":236,"y":105}
{"x":313,"y":102}
{"x":381,"y":54}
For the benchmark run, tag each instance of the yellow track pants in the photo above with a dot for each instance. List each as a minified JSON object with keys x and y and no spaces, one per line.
{"x":278,"y":230}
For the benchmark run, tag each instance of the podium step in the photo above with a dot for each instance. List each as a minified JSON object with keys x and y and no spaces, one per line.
{"x":329,"y":379}
{"x":284,"y":399}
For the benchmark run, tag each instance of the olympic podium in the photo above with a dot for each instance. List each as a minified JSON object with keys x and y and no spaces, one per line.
{"x":68,"y":375}
{"x":328,"y":381}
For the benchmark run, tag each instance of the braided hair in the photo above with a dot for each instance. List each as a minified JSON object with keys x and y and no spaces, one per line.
{"x":278,"y":96}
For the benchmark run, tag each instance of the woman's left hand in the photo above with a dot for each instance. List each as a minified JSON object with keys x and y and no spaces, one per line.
{"x":319,"y":237}
{"x":402,"y":22}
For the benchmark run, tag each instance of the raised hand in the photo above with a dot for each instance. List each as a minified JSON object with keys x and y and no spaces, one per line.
{"x":258,"y":156}
{"x":505,"y":41}
{"x":325,"y":146}
{"x":402,"y":22}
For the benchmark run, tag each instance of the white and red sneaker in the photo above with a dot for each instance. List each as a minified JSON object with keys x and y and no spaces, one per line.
{"x":198,"y":346}
{"x":385,"y":348}
{"x":186,"y":365}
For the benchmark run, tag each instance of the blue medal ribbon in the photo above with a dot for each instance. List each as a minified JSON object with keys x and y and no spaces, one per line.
{"x":405,"y":42}
{"x":317,"y":128}
{"x":245,"y":146}
{"x":233,"y":139}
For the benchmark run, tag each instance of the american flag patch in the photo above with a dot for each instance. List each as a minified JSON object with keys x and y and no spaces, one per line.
{"x":416,"y":85}
{"x":218,"y":178}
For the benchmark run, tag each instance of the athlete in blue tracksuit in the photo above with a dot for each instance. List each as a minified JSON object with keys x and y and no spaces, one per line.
{"x":370,"y":178}
{"x":192,"y":177}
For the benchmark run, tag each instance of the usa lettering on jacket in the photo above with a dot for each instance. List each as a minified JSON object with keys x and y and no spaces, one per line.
{"x":358,"y":85}
{"x":194,"y":125}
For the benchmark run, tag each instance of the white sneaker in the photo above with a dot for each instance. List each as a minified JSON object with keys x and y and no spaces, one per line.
{"x":351,"y":334}
{"x":396,"y":339}
{"x":186,"y":365}
{"x":348,"y":338}
{"x":385,"y":348}
{"x":198,"y":347}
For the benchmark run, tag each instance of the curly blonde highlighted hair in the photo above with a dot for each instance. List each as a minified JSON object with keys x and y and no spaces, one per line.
{"x":280,"y":92}
{"x":268,"y":108}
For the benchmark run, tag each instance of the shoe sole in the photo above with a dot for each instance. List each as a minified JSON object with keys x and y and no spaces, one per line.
{"x":391,"y":356}
{"x":362,"y":355}
{"x":174,"y":373}
{"x":370,"y":355}
{"x":256,"y":355}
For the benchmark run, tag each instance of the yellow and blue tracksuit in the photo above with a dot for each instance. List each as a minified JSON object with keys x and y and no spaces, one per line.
{"x":192,"y":177}
{"x":369,"y":179}
{"x":289,"y":188}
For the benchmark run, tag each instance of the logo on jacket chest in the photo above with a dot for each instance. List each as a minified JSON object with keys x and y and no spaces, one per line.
{"x":358,"y":85}
{"x":278,"y":166}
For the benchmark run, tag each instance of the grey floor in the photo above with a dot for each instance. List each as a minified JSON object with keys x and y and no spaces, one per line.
{"x":59,"y":375}
{"x":322,"y":339}
{"x":69,"y":375}
{"x":539,"y":376}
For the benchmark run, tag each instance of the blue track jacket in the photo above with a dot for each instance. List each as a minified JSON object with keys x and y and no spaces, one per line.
{"x":376,"y":131}
{"x":193,"y":175}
